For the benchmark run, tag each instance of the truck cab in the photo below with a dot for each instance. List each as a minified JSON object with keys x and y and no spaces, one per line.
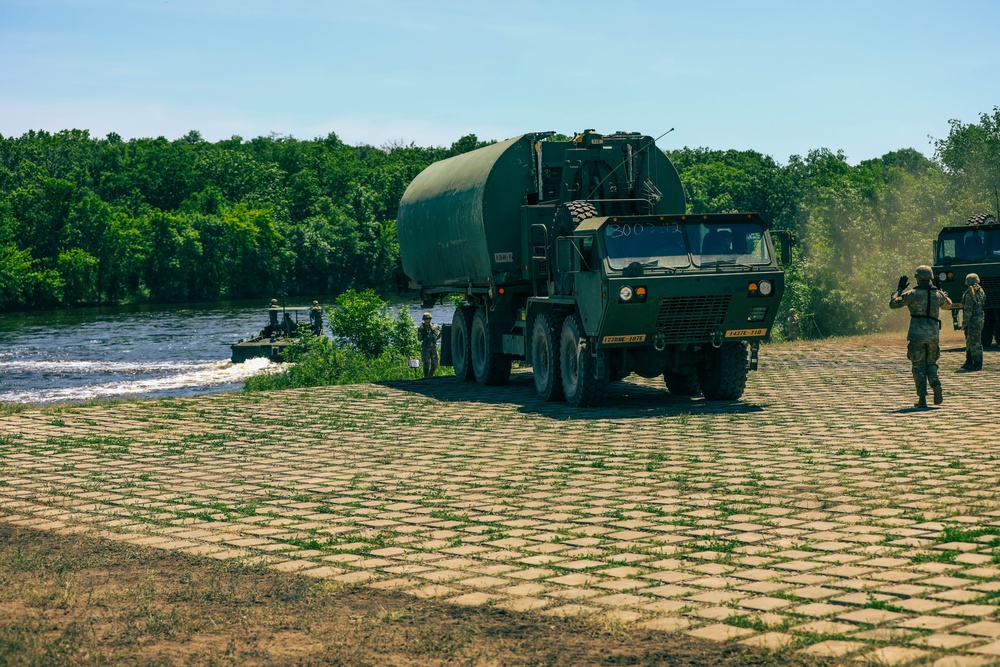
{"x":689,"y":297}
{"x":971,"y":248}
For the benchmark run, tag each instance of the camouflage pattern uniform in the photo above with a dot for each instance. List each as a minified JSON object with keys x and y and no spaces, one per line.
{"x":792,"y":325}
{"x":428,"y":334}
{"x":973,"y":316}
{"x":316,"y":318}
{"x":272,"y":318}
{"x":923,"y":350}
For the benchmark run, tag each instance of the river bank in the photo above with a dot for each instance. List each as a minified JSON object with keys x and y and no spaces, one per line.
{"x":134,"y":351}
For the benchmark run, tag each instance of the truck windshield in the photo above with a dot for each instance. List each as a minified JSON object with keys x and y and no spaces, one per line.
{"x":727,"y":243}
{"x":968,"y":245}
{"x":647,"y":243}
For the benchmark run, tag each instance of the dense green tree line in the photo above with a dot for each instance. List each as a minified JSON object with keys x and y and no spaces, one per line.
{"x":86,"y":220}
{"x":859,"y":227}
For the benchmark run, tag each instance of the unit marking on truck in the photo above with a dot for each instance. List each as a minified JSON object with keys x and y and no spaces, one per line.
{"x":742,"y":333}
{"x":500,"y":257}
{"x":634,"y":338}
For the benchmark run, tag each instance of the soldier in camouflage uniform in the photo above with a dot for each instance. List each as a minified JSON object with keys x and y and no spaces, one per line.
{"x":973,"y":315}
{"x":428,"y":335}
{"x":923,"y":349}
{"x":792,"y":325}
{"x":316,"y":318}
{"x":272,"y":319}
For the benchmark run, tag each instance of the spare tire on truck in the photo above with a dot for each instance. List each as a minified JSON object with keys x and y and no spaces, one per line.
{"x":981,"y":219}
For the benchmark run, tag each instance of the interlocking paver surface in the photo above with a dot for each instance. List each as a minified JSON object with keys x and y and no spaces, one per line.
{"x":819,"y":512}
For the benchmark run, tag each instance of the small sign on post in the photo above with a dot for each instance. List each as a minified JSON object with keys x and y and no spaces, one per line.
{"x":414,"y":363}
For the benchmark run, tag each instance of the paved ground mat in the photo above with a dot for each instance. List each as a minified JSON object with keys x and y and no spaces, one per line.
{"x":822,"y":513}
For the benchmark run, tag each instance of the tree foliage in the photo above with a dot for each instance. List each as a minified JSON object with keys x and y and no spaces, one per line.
{"x":858,"y":227}
{"x":87,"y":220}
{"x":365,"y":323}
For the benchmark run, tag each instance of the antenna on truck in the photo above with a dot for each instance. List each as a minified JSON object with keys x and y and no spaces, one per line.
{"x":651,"y":143}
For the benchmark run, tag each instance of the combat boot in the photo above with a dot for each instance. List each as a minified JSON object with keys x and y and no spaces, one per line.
{"x":938,"y":394}
{"x":921,"y":402}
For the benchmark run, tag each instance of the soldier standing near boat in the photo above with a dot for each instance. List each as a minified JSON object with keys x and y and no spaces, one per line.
{"x":428,"y":335}
{"x":973,"y":316}
{"x":316,"y":318}
{"x":925,"y":302}
{"x":272,"y":318}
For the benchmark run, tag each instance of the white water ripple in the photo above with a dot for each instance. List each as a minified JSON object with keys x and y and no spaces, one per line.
{"x":33,"y":366}
{"x":192,"y":375}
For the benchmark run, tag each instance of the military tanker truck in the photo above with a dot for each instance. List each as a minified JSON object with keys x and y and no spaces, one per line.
{"x":971,"y":248}
{"x":577,"y":258}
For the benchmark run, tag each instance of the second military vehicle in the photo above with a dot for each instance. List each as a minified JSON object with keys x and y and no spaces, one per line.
{"x":971,"y":248}
{"x":577,"y":257}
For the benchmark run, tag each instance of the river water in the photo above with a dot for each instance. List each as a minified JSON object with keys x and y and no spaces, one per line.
{"x":130,"y":351}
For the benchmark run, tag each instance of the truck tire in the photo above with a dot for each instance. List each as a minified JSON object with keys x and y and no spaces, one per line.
{"x":545,"y":357}
{"x":723,"y":373}
{"x":461,"y":359}
{"x":581,"y":388}
{"x":489,"y":368}
{"x":568,"y":216}
{"x":682,"y":384}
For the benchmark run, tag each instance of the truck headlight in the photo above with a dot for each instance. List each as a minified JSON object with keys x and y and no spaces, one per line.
{"x":765,"y":287}
{"x":625,"y":293}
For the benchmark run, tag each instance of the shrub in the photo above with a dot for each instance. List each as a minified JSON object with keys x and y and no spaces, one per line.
{"x":363,"y":322}
{"x":369,"y":344}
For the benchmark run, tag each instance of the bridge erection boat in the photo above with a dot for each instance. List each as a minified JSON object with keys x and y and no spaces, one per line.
{"x":285,"y":325}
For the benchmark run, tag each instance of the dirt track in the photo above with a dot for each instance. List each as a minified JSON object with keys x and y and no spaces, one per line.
{"x":819,"y":514}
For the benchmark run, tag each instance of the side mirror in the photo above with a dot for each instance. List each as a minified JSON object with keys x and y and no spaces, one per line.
{"x":935,"y":249}
{"x":787,"y":240}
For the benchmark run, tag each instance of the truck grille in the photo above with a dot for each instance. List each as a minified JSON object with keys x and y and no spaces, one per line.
{"x":691,"y":318}
{"x":992,"y":287}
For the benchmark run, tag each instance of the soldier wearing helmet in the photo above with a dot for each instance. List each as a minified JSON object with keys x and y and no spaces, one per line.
{"x":792,"y":325}
{"x":923,"y":349}
{"x":973,"y":316}
{"x":428,"y":335}
{"x":272,"y":318}
{"x":316,"y":319}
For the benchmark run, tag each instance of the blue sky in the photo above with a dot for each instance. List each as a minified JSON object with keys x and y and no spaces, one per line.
{"x":781,"y":78}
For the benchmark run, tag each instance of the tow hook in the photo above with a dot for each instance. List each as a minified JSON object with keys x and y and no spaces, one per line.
{"x":752,"y":361}
{"x":660,"y":341}
{"x":716,"y":338}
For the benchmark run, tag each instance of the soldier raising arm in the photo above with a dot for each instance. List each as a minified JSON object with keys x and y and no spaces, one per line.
{"x":923,"y":348}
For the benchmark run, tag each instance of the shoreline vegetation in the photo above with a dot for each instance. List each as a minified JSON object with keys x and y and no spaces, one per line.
{"x":85,"y":220}
{"x":368,"y":343}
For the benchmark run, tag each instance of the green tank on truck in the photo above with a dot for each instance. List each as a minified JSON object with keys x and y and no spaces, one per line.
{"x":971,"y":248}
{"x":577,"y":257}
